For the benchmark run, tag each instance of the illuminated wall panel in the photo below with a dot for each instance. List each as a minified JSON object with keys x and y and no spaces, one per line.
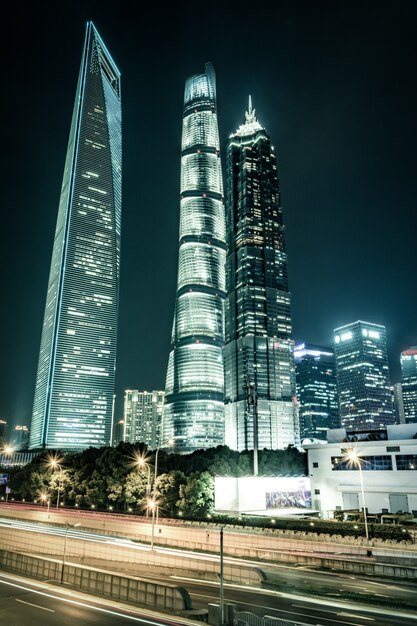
{"x":193,"y":415}
{"x":75,"y":379}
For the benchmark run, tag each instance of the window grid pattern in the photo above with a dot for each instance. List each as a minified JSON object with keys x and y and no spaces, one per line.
{"x":368,"y":463}
{"x":258,"y":330}
{"x":75,"y":380}
{"x":193,"y":415}
{"x":363,"y":376}
{"x":406,"y":461}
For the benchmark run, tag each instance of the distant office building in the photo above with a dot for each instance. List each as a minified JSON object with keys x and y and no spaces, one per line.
{"x":363,"y":376}
{"x":258,"y":352}
{"x":20,"y":438}
{"x":73,"y":401}
{"x":118,"y":432}
{"x":409,"y":384}
{"x":398,"y":403}
{"x":142,"y":417}
{"x":3,"y":432}
{"x":315,"y":370}
{"x":194,"y":411}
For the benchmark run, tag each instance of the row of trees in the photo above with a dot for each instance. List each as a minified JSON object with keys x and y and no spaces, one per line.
{"x":123,"y":477}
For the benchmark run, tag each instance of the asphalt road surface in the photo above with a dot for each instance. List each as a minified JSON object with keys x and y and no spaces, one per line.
{"x":28,"y":603}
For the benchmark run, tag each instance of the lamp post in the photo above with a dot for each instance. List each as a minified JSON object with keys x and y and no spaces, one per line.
{"x":143,"y":464}
{"x":65,"y":547}
{"x":54,"y":463}
{"x":354,"y":458}
{"x":45,"y":498}
{"x":221,"y":616}
{"x":155,"y":475}
{"x":152,"y":504}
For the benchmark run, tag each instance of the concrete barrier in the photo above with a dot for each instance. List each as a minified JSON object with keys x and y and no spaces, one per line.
{"x":137,"y":591}
{"x":107,"y":554}
{"x":274,"y":546}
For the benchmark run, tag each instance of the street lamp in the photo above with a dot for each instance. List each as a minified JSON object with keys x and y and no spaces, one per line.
{"x":355,"y":459}
{"x":170,"y":442}
{"x":153,"y":506}
{"x":221,"y":616}
{"x":54,"y":463}
{"x":67,"y":525}
{"x":45,"y":498}
{"x":142,"y":463}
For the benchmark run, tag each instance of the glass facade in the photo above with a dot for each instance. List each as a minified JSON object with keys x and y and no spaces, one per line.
{"x":193,"y":415}
{"x":258,"y":345}
{"x":363,"y":376}
{"x":409,"y":384}
{"x":315,"y":371}
{"x":74,"y":390}
{"x":142,"y":415}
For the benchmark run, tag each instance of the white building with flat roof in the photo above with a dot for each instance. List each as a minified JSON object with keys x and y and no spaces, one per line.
{"x":388,"y":469}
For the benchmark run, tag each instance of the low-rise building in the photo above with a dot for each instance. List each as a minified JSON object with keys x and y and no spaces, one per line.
{"x":385,"y":469}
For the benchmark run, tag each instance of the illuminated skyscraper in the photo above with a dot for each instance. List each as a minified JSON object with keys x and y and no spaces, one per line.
{"x":315,"y":370}
{"x":363,"y":376}
{"x":409,"y":384}
{"x":258,"y":351}
{"x":75,"y":380}
{"x":142,"y":417}
{"x":193,"y":416}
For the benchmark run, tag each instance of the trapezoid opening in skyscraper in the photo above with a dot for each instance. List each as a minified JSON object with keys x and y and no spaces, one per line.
{"x":74,"y":390}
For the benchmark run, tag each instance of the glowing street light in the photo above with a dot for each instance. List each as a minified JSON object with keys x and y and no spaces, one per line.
{"x":45,"y":498}
{"x":54,"y":463}
{"x":142,"y":463}
{"x":355,"y":459}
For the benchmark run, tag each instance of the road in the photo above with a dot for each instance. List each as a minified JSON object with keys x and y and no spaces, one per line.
{"x":24,"y":603}
{"x":317,"y":612}
{"x":290,"y":598}
{"x":286,"y":579}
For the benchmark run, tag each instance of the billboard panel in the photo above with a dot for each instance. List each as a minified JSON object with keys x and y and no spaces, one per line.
{"x":289,"y":493}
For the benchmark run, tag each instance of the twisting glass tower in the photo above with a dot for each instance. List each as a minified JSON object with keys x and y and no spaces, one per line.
{"x":193,"y":414}
{"x":258,"y":353}
{"x":76,"y":370}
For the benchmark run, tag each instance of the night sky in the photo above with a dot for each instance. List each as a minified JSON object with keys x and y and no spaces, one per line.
{"x":334,"y":85}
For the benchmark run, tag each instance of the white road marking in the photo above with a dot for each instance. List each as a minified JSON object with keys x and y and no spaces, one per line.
{"x":35,"y":605}
{"x":356,"y":616}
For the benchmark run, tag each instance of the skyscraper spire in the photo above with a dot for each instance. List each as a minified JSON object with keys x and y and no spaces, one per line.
{"x":193,"y":416}
{"x":251,"y":123}
{"x":73,"y":401}
{"x":250,"y":115}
